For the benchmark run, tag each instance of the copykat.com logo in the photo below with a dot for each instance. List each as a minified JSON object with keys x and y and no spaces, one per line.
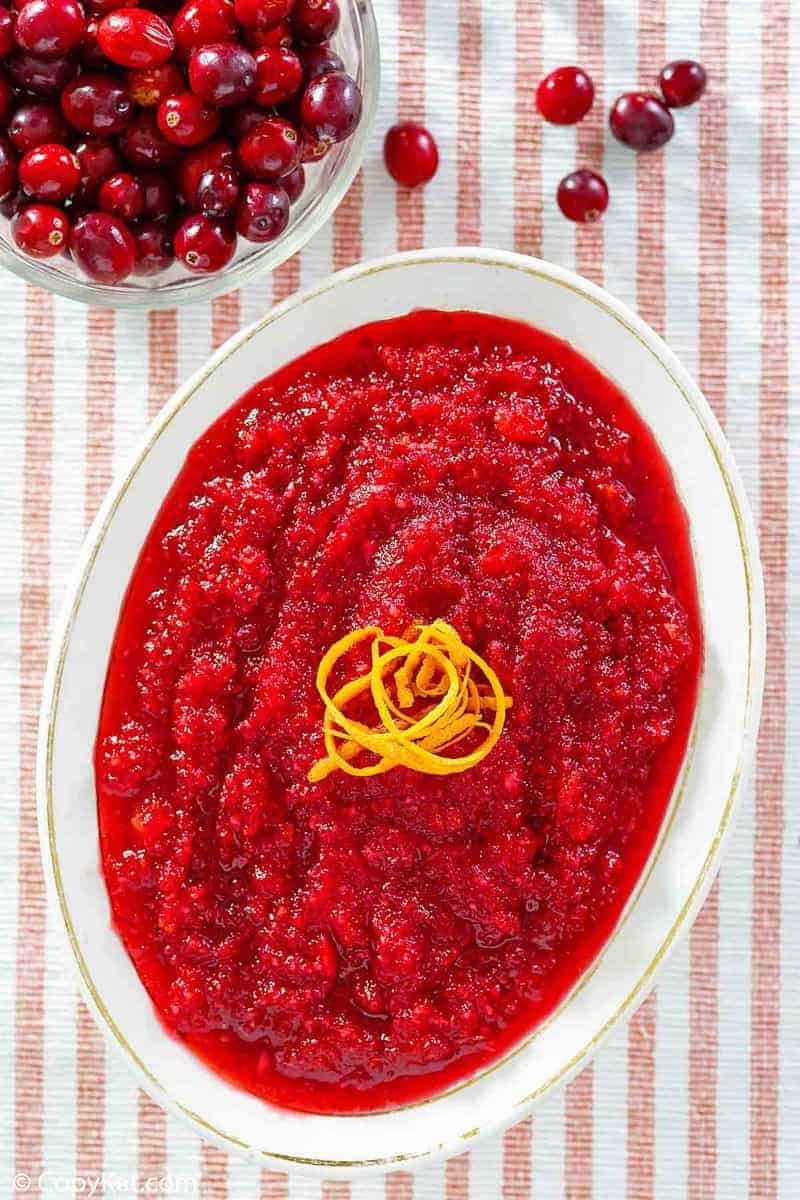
{"x":106,"y":1183}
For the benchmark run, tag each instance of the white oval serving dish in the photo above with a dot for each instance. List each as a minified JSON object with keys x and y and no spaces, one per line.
{"x":683,"y":863}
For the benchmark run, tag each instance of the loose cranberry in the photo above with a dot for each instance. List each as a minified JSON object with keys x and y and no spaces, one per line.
{"x":159,"y":196}
{"x":217,"y":153}
{"x":583,"y":196}
{"x":41,"y":230}
{"x":319,"y":60}
{"x":565,"y":95}
{"x":154,"y":252}
{"x":279,"y":75}
{"x":410,"y":154}
{"x":263,"y":212}
{"x":103,"y":247}
{"x":98,"y":104}
{"x":262,"y":14}
{"x":89,"y":51}
{"x":49,"y":28}
{"x":641,"y":121}
{"x":279,"y":35}
{"x":222,"y":74}
{"x":240,"y":121}
{"x":148,"y":88}
{"x":272,"y":149}
{"x":203,"y":22}
{"x":218,"y":192}
{"x":682,"y":82}
{"x":97,"y":160}
{"x":50,"y":172}
{"x":331,"y":106}
{"x":6,"y":97}
{"x":204,"y":245}
{"x":35,"y":123}
{"x":123,"y":196}
{"x":45,"y":77}
{"x":186,"y":120}
{"x":315,"y":21}
{"x":8,"y":169}
{"x":134,"y":37}
{"x":294,"y":183}
{"x":7,"y":43}
{"x":143,"y":144}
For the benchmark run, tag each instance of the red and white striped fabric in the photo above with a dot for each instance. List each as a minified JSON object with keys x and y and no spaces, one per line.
{"x":700,"y":1096}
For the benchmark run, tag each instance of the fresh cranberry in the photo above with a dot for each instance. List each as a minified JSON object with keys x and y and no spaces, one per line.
{"x":203,"y":22}
{"x":149,"y":87}
{"x":270,"y":150}
{"x":154,"y":252}
{"x":41,"y":230}
{"x":583,"y":196}
{"x":35,"y":123}
{"x":222,"y":74}
{"x":410,"y":154}
{"x":319,"y":60}
{"x":294,"y":183}
{"x":49,"y":28}
{"x":204,"y":245}
{"x":217,"y":192}
{"x":279,"y":75}
{"x":641,"y":121}
{"x":315,"y":21}
{"x":217,"y":153}
{"x":98,"y":104}
{"x":312,"y":148}
{"x":262,"y":14}
{"x":7,"y":43}
{"x":14,"y":202}
{"x":44,"y":77}
{"x":89,"y":51}
{"x":97,"y":160}
{"x":240,"y":121}
{"x":103,"y":247}
{"x":186,"y":120}
{"x":159,"y":196}
{"x":682,"y":82}
{"x":331,"y":106}
{"x":279,"y":35}
{"x":263,"y":212}
{"x":99,"y":8}
{"x":123,"y":196}
{"x":7,"y":97}
{"x":565,"y":95}
{"x":143,"y":144}
{"x":50,"y":172}
{"x":135,"y":37}
{"x":8,"y":169}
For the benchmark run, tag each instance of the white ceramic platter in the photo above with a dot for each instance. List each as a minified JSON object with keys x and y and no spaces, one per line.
{"x":684,"y":861}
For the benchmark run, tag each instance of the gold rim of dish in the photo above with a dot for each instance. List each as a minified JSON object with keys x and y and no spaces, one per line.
{"x":755,"y":622}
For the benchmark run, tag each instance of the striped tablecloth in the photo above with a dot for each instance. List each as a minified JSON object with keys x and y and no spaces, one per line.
{"x":700,"y":1096}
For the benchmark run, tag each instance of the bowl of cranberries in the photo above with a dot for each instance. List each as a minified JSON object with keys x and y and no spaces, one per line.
{"x":155,"y":154}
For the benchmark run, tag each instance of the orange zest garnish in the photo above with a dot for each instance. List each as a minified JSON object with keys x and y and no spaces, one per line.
{"x":426,"y":698}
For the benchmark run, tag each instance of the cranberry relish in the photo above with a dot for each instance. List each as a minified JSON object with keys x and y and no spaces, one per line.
{"x":357,"y":943}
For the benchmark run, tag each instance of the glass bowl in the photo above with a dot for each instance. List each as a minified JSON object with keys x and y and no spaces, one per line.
{"x":356,"y":41}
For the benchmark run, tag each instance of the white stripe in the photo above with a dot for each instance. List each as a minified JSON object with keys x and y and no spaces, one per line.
{"x":441,"y":105}
{"x":610,"y":1116}
{"x":486,"y":1168}
{"x":497,"y":128}
{"x":380,"y":191}
{"x":619,"y":163}
{"x":559,"y":142}
{"x":183,"y":1150}
{"x":547,"y":1177}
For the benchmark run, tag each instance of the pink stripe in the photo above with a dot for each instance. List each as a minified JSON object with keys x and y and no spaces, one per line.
{"x":347,"y":227}
{"x":517,"y":1161}
{"x":766,"y":955}
{"x":286,"y":279}
{"x":274,"y":1186}
{"x":456,"y":1178}
{"x":641,"y":1102}
{"x":399,"y":1186}
{"x":335,"y":1189}
{"x":225,"y":317}
{"x":411,"y":107}
{"x":591,"y":29}
{"x":468,"y":201}
{"x":162,"y":336}
{"x":213,"y":1173}
{"x":527,"y":129}
{"x":579,"y":1145}
{"x":34,"y":616}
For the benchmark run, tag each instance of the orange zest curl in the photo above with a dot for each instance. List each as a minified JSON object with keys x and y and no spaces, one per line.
{"x":423,"y":689}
